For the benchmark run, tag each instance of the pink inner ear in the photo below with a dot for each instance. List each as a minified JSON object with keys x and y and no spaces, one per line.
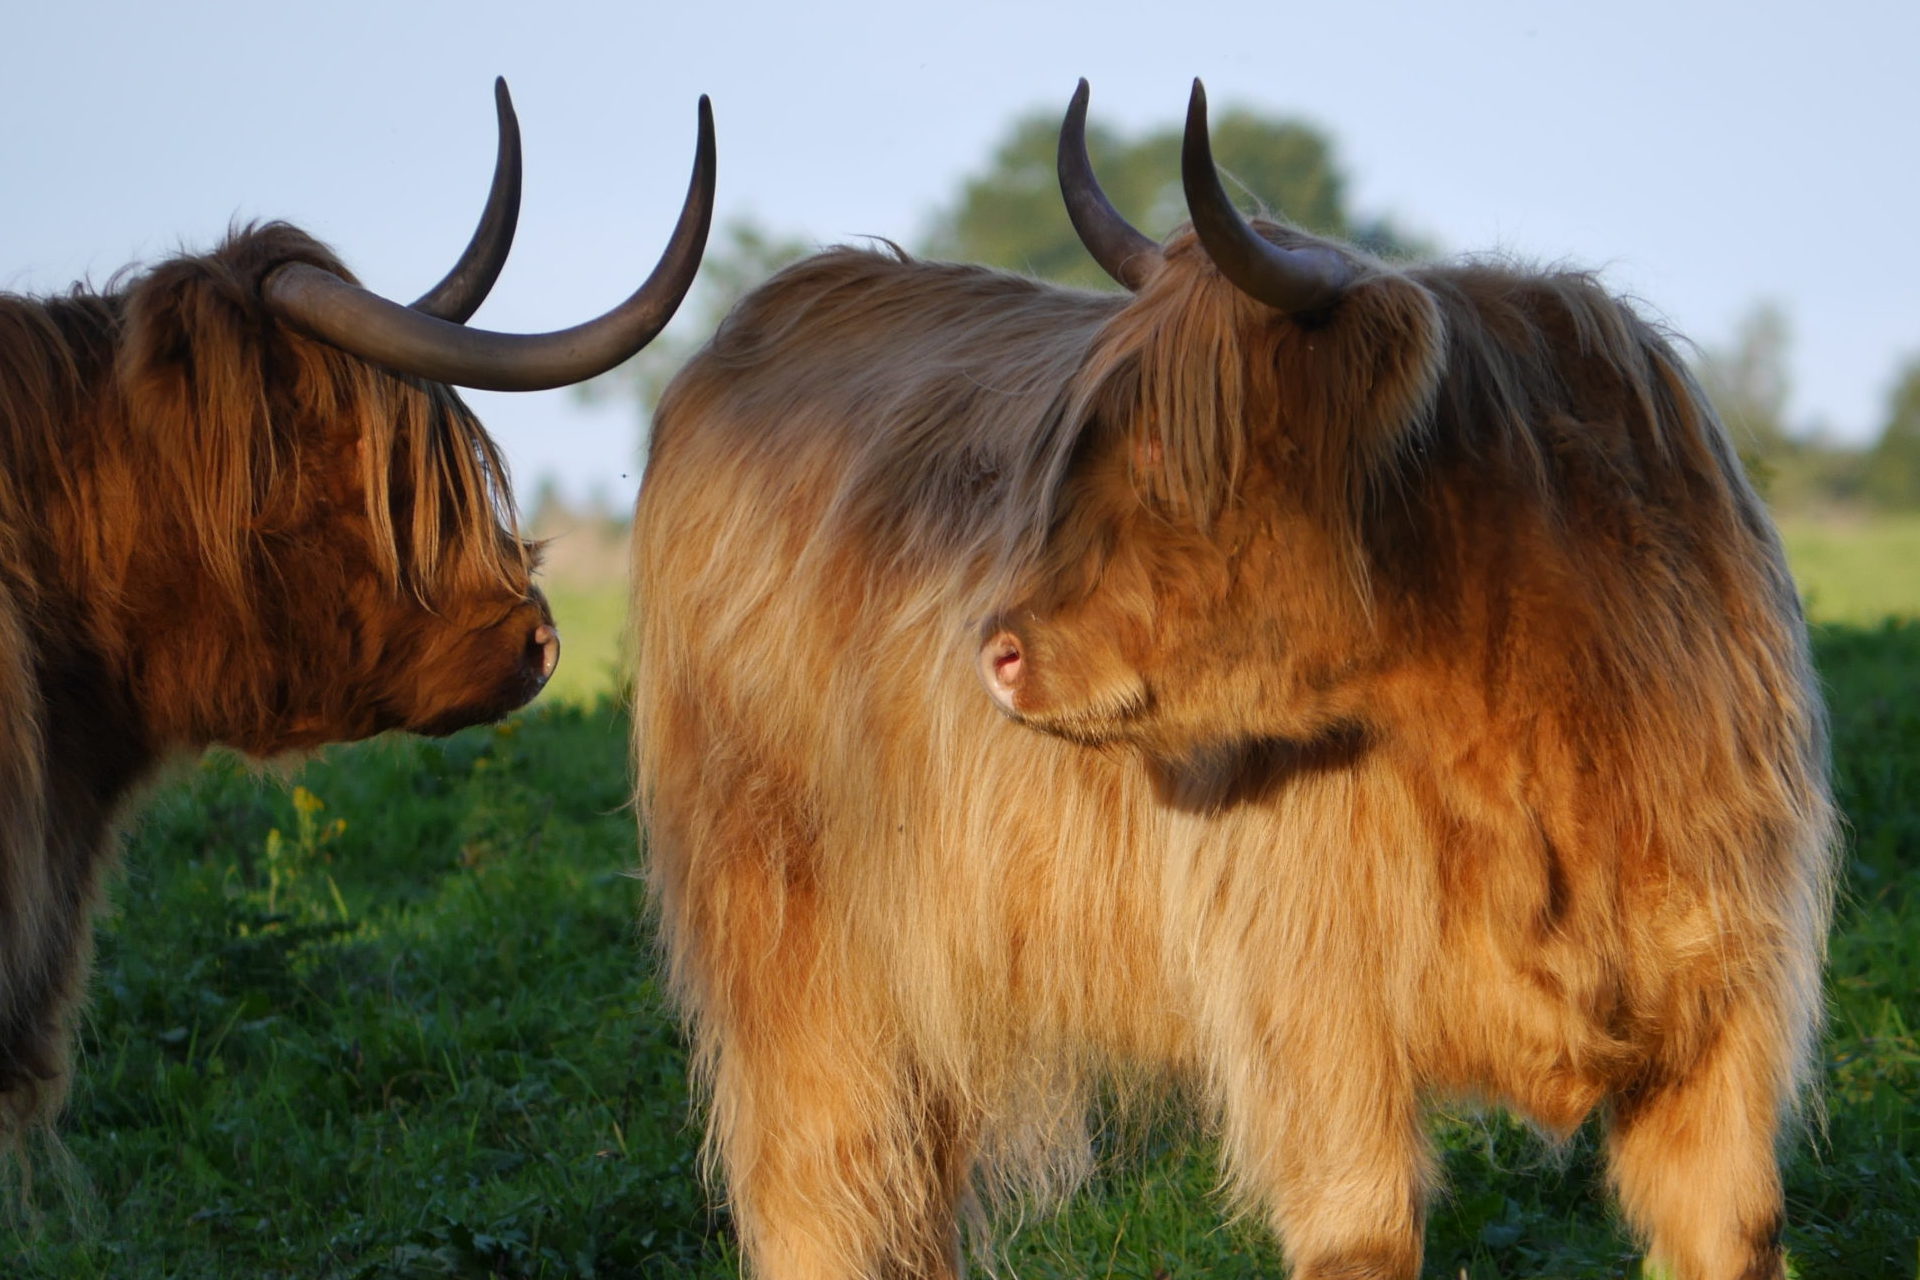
{"x":1001,"y":665}
{"x":1006,"y":666}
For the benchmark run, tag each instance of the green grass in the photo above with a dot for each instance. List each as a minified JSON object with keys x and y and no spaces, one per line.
{"x":1857,"y":570}
{"x":589,"y":619}
{"x":409,"y":1033}
{"x":402,"y":1022}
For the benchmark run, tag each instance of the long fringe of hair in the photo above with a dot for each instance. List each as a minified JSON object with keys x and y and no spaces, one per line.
{"x":176,"y":394}
{"x":227,"y":391}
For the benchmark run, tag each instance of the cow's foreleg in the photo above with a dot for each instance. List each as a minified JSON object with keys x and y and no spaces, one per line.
{"x":1323,"y":1129}
{"x":839,"y":1163}
{"x":840,"y":1158}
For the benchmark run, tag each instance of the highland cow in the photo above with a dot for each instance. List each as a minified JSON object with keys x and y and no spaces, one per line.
{"x":1332,"y":684}
{"x":240,"y":506}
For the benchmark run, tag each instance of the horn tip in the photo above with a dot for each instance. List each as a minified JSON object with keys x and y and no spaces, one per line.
{"x":705,"y":141}
{"x":1076,"y":121}
{"x":1197,"y":117}
{"x":705,"y":157}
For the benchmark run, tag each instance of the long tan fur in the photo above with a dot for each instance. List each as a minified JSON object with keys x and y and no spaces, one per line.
{"x":1416,"y":706}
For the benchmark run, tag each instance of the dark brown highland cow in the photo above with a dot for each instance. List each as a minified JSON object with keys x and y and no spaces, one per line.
{"x":1336,"y":685}
{"x":218,"y":527}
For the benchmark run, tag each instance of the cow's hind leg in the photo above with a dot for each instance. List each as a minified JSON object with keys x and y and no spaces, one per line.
{"x":1694,"y":1162}
{"x":840,"y":1158}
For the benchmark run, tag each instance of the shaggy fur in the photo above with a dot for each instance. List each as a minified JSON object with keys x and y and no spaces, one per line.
{"x":213,"y":530}
{"x":1413,"y":705}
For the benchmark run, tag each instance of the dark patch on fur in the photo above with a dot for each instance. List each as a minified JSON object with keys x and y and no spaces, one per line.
{"x":1254,"y":772}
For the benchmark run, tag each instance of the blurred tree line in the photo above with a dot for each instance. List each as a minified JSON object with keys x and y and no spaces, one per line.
{"x":1801,"y":469}
{"x":1009,"y":215}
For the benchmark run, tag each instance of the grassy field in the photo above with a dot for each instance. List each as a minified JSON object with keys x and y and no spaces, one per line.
{"x":589,"y":618}
{"x":1857,"y":570}
{"x":394,"y":1016}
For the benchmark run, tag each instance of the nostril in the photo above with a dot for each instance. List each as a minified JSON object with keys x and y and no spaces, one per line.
{"x":546,"y":639}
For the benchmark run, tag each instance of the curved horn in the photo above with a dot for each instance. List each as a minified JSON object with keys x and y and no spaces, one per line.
{"x":462,"y":290}
{"x":1123,"y":252}
{"x":327,"y":307}
{"x":1296,"y":281}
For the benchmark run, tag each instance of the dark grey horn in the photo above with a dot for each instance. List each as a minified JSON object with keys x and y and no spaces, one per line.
{"x":1123,"y":252}
{"x":409,"y":341}
{"x":462,"y":290}
{"x":1296,"y":281}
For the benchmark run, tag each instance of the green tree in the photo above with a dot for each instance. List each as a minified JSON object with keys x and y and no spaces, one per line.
{"x":1797,"y":468}
{"x":1011,"y":215}
{"x":1748,"y":384}
{"x":1893,"y":467}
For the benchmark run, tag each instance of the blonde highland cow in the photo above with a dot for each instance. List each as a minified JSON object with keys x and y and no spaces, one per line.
{"x":1335,"y":685}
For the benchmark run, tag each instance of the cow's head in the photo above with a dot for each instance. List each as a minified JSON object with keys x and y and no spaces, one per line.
{"x":303,"y":534}
{"x":1201,"y":580}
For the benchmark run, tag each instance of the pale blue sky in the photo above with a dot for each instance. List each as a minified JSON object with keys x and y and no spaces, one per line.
{"x":1704,"y":156}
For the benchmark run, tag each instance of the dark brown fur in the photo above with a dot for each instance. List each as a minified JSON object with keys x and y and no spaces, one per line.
{"x":1424,"y":712}
{"x":213,"y":530}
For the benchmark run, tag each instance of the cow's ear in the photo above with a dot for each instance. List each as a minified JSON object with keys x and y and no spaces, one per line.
{"x":1359,"y":386}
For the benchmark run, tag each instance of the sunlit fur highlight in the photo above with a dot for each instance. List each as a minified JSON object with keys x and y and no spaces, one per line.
{"x":211,"y":530}
{"x":238,"y":447}
{"x":1420,"y":710}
